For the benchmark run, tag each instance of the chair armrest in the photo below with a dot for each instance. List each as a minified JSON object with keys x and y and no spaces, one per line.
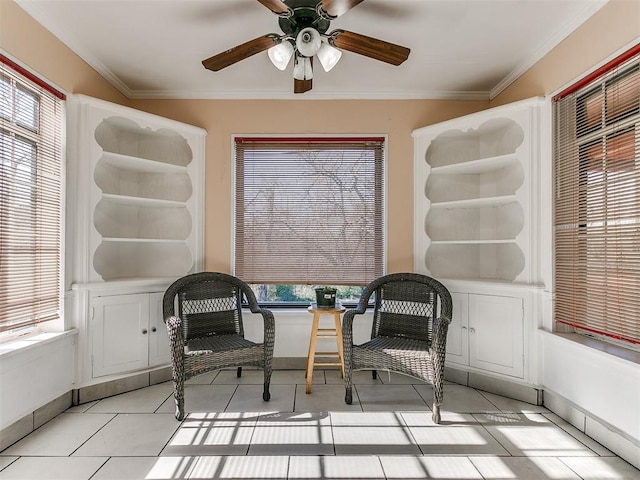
{"x":174,"y":329}
{"x":176,"y":347}
{"x":347,"y":319}
{"x":267,"y":315}
{"x":269,"y":321}
{"x":440,"y":329}
{"x":347,"y":326}
{"x":361,"y":308}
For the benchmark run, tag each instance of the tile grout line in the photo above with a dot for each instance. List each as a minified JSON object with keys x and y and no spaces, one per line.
{"x":99,"y":468}
{"x":94,"y":433}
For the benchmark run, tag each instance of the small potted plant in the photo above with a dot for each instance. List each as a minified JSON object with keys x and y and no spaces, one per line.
{"x":326,"y":297}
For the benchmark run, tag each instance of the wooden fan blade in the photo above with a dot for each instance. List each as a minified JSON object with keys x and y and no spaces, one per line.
{"x":335,"y":8}
{"x":235,"y":54}
{"x":301,"y":86}
{"x":369,"y":47}
{"x":276,"y":6}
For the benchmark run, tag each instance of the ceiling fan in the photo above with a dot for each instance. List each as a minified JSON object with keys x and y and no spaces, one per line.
{"x":304,"y":24}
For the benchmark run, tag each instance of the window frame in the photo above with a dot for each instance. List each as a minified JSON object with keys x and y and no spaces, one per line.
{"x":49,"y":139}
{"x":319,"y":137}
{"x":610,"y":190}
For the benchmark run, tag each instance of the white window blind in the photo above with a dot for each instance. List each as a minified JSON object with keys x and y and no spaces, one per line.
{"x":597,"y":202}
{"x":31,"y":169}
{"x":309,"y":210}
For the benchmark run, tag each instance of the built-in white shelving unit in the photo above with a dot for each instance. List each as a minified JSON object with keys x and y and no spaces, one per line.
{"x":135,"y":194}
{"x":476,"y":207}
{"x":473,"y":195}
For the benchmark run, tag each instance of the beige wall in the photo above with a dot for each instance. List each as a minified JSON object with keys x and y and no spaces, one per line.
{"x":25,"y":40}
{"x":222,"y":118}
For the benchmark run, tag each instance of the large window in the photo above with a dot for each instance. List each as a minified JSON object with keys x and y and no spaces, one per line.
{"x":309,"y":211}
{"x":597,"y":203}
{"x":31,"y":169}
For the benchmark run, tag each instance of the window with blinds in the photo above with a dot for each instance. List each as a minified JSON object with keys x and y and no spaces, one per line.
{"x":597,"y":202}
{"x":31,"y":144}
{"x":309,"y":211}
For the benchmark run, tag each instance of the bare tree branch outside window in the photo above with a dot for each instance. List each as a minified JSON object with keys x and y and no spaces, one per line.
{"x":310,"y":216}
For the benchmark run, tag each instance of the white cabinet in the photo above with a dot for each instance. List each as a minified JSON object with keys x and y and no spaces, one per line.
{"x":159,"y":353}
{"x":458,"y":333}
{"x":135,"y":184}
{"x":127,"y":333}
{"x":487,"y":333}
{"x":475,"y":195}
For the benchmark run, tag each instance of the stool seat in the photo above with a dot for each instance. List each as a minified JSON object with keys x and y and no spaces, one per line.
{"x":316,"y":333}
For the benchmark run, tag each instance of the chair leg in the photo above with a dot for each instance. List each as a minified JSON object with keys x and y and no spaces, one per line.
{"x":266,"y":396}
{"x":348,"y":396}
{"x":179,"y":409}
{"x":437,"y":400}
{"x":239,"y":372}
{"x":178,"y":388}
{"x":436,"y":414}
{"x":178,"y":394}
{"x":348,"y":385}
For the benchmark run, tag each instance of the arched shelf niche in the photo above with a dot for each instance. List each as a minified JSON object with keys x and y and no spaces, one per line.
{"x":142,"y":217}
{"x":474,"y":214}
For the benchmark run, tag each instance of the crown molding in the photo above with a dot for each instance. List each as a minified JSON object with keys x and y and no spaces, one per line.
{"x":544,"y":48}
{"x":74,"y":44}
{"x":204,"y":95}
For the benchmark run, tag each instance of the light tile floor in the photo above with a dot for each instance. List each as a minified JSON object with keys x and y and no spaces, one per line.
{"x":230,"y":433}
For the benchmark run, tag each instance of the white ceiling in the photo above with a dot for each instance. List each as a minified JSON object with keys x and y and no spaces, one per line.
{"x":463,"y":49}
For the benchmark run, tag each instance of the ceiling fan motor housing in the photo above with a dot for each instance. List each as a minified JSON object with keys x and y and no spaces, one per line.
{"x":305,"y":14}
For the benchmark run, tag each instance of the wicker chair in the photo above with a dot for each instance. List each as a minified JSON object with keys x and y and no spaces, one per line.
{"x":207,"y":332}
{"x":411,"y":317}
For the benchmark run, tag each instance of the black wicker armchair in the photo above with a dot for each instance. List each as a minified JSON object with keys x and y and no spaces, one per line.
{"x":411,"y":318}
{"x":206,"y":333}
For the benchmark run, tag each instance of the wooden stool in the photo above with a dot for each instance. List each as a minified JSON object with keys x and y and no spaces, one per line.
{"x":316,"y":333}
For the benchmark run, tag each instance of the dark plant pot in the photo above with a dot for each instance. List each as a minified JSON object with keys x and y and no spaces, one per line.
{"x":326,"y":297}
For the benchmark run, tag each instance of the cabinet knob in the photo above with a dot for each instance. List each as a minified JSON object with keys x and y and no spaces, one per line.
{"x":153,"y":329}
{"x":464,"y":328}
{"x":144,"y":331}
{"x":472,"y":330}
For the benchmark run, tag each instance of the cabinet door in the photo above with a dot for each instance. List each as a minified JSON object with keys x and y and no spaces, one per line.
{"x":119,"y":332}
{"x":457,"y":338}
{"x":496,"y":341}
{"x":158,"y":338}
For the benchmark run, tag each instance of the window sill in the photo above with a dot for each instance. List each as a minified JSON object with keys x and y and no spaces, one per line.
{"x":27,"y":342}
{"x":284,"y":311}
{"x":604,"y":347}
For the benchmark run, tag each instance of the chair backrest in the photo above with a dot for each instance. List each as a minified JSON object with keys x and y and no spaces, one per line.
{"x":406,"y":305}
{"x":209,"y":303}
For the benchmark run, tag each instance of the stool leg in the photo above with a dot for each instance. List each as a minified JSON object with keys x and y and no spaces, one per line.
{"x":312,"y":351}
{"x":336,"y":317}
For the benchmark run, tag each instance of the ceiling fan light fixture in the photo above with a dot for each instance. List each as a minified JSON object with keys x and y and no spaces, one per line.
{"x":308,"y":42}
{"x":281,"y":54}
{"x":328,"y":56}
{"x":302,"y":69}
